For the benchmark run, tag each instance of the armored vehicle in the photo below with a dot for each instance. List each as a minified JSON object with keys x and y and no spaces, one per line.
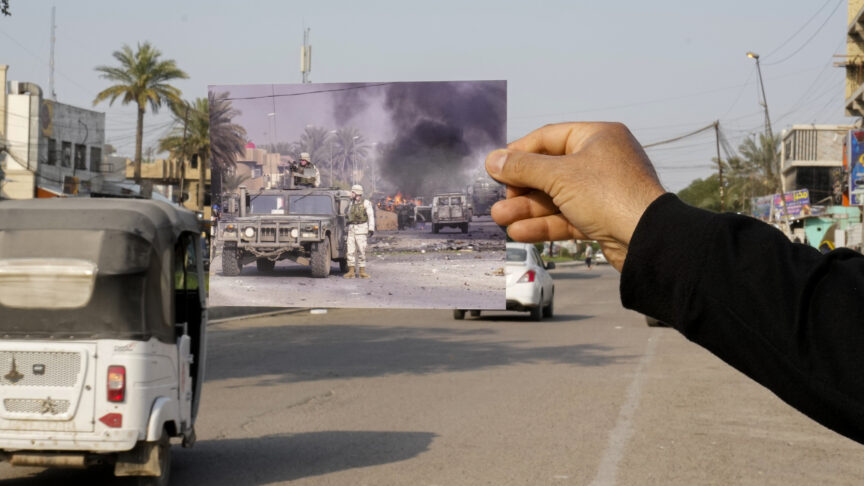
{"x":305,"y":225}
{"x":451,"y":210}
{"x":103,"y":316}
{"x":484,"y":193}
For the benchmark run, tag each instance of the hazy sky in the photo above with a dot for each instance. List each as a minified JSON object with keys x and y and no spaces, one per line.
{"x":664,"y":67}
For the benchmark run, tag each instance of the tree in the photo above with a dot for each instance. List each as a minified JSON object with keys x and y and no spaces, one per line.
{"x":190,"y":139}
{"x":753,"y":174}
{"x":232,"y":181}
{"x":228,"y":140}
{"x":4,"y":8}
{"x":349,"y":148}
{"x":703,"y":193}
{"x":141,"y":78}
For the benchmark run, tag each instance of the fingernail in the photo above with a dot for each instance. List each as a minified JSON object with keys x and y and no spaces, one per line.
{"x":496,"y":160}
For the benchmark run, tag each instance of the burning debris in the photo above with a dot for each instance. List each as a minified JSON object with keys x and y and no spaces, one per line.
{"x":406,"y":209}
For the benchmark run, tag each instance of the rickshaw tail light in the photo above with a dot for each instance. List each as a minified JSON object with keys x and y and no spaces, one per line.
{"x":116,"y":383}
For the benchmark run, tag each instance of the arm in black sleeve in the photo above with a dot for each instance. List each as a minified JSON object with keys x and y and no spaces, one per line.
{"x":782,"y":313}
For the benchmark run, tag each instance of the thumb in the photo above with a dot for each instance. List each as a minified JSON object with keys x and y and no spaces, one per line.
{"x":521,"y":169}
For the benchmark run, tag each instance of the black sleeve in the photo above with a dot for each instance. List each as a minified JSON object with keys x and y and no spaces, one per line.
{"x":780,"y":312}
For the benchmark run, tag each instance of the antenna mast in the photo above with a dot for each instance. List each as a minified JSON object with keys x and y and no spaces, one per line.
{"x":51,"y":61}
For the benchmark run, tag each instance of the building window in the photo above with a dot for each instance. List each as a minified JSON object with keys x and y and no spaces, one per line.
{"x":80,"y":156}
{"x":95,"y":159}
{"x":52,"y":152}
{"x":66,"y":155}
{"x":194,"y":161}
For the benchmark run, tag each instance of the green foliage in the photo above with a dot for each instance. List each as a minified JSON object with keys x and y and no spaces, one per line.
{"x":227,"y":139}
{"x":753,"y":174}
{"x":703,"y":193}
{"x":4,"y":8}
{"x":142,"y":78}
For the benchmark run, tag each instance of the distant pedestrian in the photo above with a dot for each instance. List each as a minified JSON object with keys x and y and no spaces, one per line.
{"x":589,"y":254}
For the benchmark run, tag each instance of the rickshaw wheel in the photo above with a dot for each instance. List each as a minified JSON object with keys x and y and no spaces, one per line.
{"x":164,"y":451}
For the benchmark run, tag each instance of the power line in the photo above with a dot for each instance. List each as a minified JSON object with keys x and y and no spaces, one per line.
{"x":675,"y":139}
{"x":783,"y":44}
{"x":810,"y":38}
{"x":287,"y":95}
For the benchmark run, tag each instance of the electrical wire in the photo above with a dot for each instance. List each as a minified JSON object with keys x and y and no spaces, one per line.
{"x":783,"y":44}
{"x":840,"y":2}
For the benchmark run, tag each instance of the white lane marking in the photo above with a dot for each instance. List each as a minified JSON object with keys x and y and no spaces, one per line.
{"x":607,"y":472}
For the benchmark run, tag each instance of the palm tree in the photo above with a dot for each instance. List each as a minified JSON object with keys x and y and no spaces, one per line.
{"x":190,"y":139}
{"x":228,"y":140}
{"x":350,"y":149}
{"x":143,"y":78}
{"x":233,"y":181}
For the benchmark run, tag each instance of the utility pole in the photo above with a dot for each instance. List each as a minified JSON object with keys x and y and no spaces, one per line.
{"x":183,"y":159}
{"x":306,"y":56}
{"x":51,"y":60}
{"x":770,"y":134}
{"x":719,"y":165}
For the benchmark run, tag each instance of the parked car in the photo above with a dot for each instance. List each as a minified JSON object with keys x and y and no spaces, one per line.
{"x":529,"y":286}
{"x":599,"y":257}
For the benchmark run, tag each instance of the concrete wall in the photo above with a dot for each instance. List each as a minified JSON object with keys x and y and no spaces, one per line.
{"x":79,"y":127}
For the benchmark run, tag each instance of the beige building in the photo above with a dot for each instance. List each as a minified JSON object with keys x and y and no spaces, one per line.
{"x":48,"y":148}
{"x":168,"y":175}
{"x":812,"y":158}
{"x":854,"y":59}
{"x":262,"y":167}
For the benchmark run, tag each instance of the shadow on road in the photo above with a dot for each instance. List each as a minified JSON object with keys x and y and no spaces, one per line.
{"x":581,"y":274}
{"x":259,"y":460}
{"x":276,"y":458}
{"x":524,"y":317}
{"x":296,"y":353}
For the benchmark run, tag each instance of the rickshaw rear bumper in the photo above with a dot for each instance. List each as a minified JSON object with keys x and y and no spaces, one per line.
{"x":105,"y":441}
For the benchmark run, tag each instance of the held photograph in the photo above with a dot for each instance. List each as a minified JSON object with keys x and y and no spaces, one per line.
{"x":358,"y":195}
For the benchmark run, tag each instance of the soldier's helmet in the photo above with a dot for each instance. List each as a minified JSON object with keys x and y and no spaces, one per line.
{"x":305,"y":156}
{"x":357,"y":189}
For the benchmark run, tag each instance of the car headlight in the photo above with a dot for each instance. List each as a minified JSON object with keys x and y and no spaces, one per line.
{"x":249,"y":232}
{"x":294,"y":233}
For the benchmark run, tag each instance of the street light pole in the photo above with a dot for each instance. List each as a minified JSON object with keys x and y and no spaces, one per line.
{"x":332,"y":132}
{"x":354,"y":159}
{"x":770,"y":134}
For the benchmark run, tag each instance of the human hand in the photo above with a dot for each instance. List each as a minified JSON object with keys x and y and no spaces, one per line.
{"x":585,"y":181}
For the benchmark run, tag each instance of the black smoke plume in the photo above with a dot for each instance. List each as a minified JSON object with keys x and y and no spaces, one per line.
{"x":444,"y":131}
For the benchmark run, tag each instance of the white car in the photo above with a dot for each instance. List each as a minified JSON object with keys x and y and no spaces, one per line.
{"x":529,"y":286}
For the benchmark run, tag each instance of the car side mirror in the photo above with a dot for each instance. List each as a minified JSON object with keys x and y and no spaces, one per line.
{"x":549,"y":265}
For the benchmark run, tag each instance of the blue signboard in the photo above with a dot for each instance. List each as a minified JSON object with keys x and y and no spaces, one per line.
{"x":855,"y":146}
{"x":797,"y":203}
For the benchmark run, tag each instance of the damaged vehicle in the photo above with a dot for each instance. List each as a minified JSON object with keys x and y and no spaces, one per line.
{"x":103,"y":322}
{"x":451,"y":210}
{"x":307,"y":226}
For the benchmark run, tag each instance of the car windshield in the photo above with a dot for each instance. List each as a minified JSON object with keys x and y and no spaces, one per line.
{"x":266,"y":205}
{"x":516,"y":255}
{"x":310,"y":204}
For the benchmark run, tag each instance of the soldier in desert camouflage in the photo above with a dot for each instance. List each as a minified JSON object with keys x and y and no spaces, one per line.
{"x":361,"y":224}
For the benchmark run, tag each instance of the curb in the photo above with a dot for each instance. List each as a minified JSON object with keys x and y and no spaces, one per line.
{"x":286,"y":311}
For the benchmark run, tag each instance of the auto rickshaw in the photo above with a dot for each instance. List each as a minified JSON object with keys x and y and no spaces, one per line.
{"x":102,"y":333}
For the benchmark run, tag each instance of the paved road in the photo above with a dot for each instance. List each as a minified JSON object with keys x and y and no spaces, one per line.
{"x":398,"y":397}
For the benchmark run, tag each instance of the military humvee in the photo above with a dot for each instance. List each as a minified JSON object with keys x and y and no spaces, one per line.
{"x":451,"y":210}
{"x":305,"y":225}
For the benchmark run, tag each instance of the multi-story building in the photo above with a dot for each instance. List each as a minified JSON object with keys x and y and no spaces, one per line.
{"x":50,"y":148}
{"x":854,"y":59}
{"x":260,"y":166}
{"x":812,"y":158}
